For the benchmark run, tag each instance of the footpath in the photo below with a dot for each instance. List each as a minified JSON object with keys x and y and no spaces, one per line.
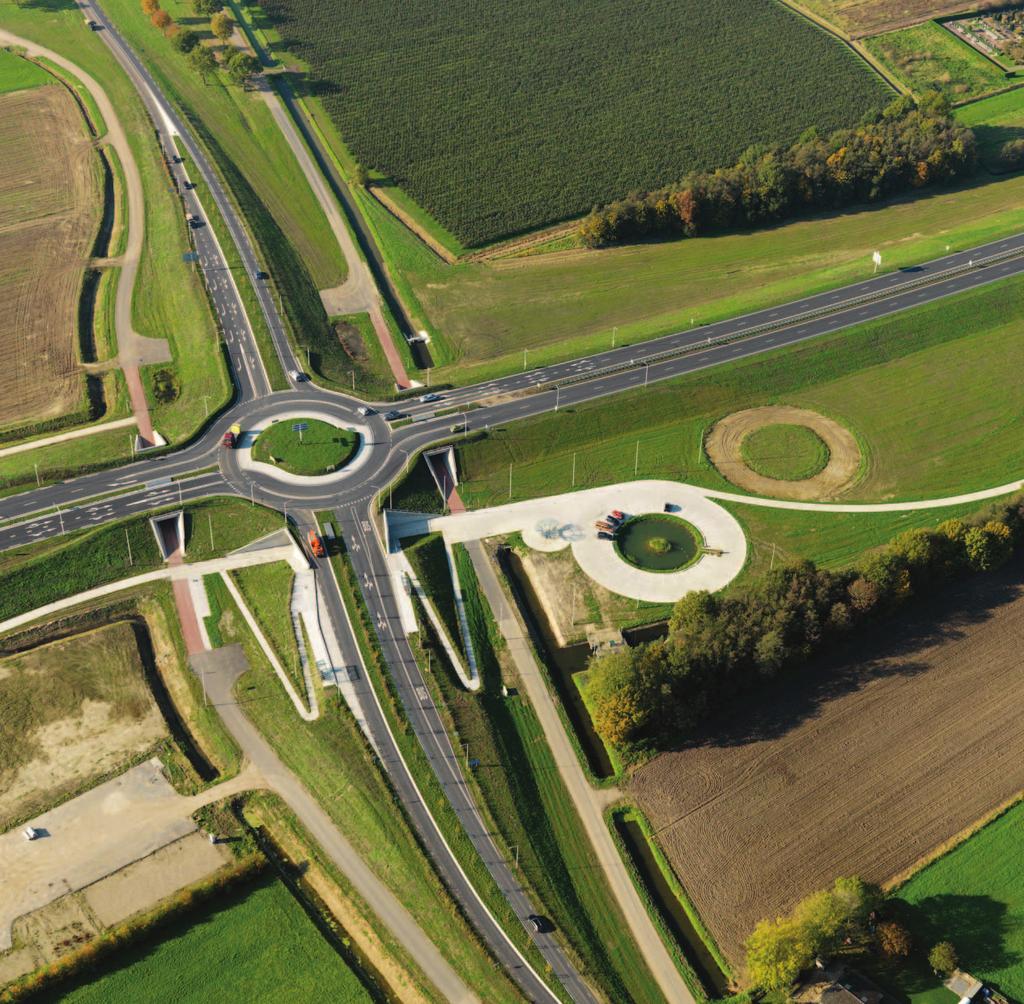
{"x":589,"y":803}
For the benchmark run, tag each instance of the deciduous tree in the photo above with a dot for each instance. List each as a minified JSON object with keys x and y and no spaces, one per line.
{"x":150,"y":7}
{"x":893,"y":939}
{"x":162,"y":20}
{"x":242,"y":67}
{"x":942,"y":958}
{"x":222,"y":24}
{"x":185,"y":40}
{"x":203,"y":61}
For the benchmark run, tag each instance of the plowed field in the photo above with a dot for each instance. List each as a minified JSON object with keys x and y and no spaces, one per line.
{"x":50,"y":206}
{"x":871,"y":17}
{"x":860,"y":768}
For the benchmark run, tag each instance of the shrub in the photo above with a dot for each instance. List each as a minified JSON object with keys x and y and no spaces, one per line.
{"x":185,"y":41}
{"x":893,"y":939}
{"x":1011,"y":155}
{"x":162,"y":20}
{"x":942,"y":958}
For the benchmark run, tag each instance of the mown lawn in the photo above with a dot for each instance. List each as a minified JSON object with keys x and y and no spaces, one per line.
{"x":974,"y":897}
{"x":331,"y":757}
{"x":482,"y":315}
{"x":17,"y":74}
{"x":37,"y":574}
{"x":430,"y":563}
{"x":256,"y":944}
{"x":524,"y":793}
{"x":928,"y":56}
{"x":931,"y":395}
{"x":995,"y":121}
{"x":267,"y":590}
{"x":319,"y":448}
{"x":785,"y":452}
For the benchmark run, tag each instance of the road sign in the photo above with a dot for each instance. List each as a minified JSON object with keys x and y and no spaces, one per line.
{"x":190,"y":256}
{"x":300,"y":426}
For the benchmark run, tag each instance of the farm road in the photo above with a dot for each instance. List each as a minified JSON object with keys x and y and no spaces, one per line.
{"x":133,"y":349}
{"x":222,"y":670}
{"x":588,"y":802}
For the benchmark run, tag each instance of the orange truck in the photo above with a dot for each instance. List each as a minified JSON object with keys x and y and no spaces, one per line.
{"x":316,"y":545}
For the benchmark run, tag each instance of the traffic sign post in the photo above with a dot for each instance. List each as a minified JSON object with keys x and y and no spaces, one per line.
{"x":877,"y":259}
{"x":300,"y":428}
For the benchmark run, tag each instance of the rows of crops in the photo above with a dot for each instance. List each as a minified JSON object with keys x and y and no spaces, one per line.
{"x":499,"y":117}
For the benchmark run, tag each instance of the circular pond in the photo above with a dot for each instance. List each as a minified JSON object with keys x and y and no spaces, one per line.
{"x":658,"y":542}
{"x":305,"y":446}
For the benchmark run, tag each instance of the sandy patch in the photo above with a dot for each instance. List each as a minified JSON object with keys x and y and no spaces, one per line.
{"x":725,"y":439}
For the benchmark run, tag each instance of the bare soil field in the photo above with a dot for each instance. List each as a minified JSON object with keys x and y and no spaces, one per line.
{"x":859,"y":768}
{"x":724,"y":449}
{"x":872,"y":17}
{"x":72,"y":711}
{"x":50,"y":208}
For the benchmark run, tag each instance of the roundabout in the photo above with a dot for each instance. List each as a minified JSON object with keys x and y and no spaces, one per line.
{"x":785,"y":452}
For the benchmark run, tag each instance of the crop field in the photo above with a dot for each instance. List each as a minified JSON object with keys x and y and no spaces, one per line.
{"x":871,"y":17}
{"x":499,"y":118}
{"x":254,"y":945}
{"x":49,"y":218}
{"x":928,"y":56}
{"x":73,"y":710}
{"x":863,"y":768}
{"x":975,"y":896}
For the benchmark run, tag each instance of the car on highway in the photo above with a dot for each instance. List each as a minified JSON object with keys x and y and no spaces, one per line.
{"x":298,"y":376}
{"x":393,"y":414}
{"x":194,"y":222}
{"x":95,"y":26}
{"x":539,"y":924}
{"x":428,"y":398}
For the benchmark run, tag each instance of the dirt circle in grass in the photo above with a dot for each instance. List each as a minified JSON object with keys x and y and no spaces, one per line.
{"x":315,"y":448}
{"x":658,"y":543}
{"x":784,"y":452}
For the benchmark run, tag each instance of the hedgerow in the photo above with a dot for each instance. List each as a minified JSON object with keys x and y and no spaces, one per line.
{"x":500,"y":117}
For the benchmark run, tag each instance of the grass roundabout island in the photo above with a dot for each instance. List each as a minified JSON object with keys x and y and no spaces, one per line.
{"x":657,"y":542}
{"x":785,"y":452}
{"x":319,"y":448}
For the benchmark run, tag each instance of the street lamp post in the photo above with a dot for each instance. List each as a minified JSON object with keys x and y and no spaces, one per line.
{"x":647,"y":373}
{"x":524,"y":357}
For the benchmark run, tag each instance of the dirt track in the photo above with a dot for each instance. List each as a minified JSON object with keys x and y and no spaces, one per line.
{"x":894,"y":752}
{"x":724,"y":442}
{"x":49,"y":191}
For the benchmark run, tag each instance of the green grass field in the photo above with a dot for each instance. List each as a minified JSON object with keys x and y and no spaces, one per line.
{"x":688,"y":91}
{"x":331,"y":757}
{"x":267,"y":590}
{"x":481,"y":315}
{"x":995,"y":121}
{"x":974,"y":897}
{"x":430,"y":563}
{"x":319,"y":449}
{"x":37,"y":574}
{"x":532,"y":810}
{"x":17,"y":74}
{"x":785,"y":452}
{"x":928,"y":56}
{"x":254,"y":944}
{"x":930,"y":394}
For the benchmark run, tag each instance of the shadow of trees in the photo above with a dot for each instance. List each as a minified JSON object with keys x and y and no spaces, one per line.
{"x":894,"y":647}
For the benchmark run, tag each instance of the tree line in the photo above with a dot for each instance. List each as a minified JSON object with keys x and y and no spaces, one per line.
{"x":851,"y":917}
{"x":241,"y":67}
{"x":652,"y":696}
{"x":901,"y":148}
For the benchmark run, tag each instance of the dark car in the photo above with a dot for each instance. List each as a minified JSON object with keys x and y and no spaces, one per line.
{"x":95,"y":26}
{"x":605,"y":535}
{"x":392,"y":415}
{"x":262,"y":275}
{"x":539,"y":924}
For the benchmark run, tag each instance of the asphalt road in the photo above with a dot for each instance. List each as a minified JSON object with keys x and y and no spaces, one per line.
{"x":158,"y":480}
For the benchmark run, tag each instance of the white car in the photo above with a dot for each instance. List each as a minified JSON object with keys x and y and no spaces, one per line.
{"x":427,"y":398}
{"x":365,"y":411}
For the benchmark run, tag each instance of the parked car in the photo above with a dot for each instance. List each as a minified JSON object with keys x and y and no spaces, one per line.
{"x":605,"y":535}
{"x":428,"y":398}
{"x":613,"y":519}
{"x":618,"y":514}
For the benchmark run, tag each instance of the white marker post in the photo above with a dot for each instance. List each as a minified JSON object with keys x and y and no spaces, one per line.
{"x":877,"y":259}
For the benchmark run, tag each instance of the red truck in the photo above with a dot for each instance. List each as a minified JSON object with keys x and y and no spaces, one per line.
{"x":316,"y":545}
{"x":230,"y":438}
